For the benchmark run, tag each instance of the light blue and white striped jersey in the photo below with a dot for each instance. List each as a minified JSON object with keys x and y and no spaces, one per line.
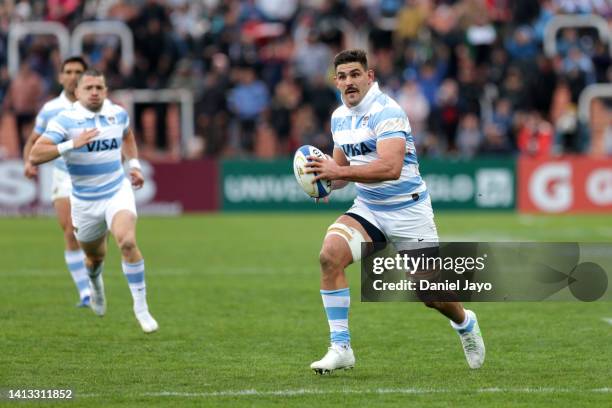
{"x":95,"y":169}
{"x":48,"y":111}
{"x":356,"y":131}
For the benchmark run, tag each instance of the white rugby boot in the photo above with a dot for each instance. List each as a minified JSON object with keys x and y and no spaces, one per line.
{"x":337,"y":358}
{"x":98,"y":299}
{"x":471,"y":340}
{"x":147,"y":322}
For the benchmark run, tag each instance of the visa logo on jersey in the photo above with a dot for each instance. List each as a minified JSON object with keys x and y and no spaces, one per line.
{"x":356,"y":149}
{"x":102,"y":145}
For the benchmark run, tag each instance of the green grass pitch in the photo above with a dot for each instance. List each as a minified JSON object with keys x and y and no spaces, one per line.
{"x":237,"y":299}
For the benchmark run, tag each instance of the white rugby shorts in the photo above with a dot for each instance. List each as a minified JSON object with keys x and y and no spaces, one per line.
{"x":411,"y":224}
{"x":92,"y":219}
{"x":61,"y":186}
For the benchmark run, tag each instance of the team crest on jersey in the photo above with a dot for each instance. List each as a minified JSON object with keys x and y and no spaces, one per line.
{"x":364,"y":121}
{"x":111,"y":120}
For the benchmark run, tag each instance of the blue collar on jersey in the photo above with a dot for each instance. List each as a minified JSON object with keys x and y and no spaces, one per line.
{"x":364,"y":106}
{"x":105,"y":111}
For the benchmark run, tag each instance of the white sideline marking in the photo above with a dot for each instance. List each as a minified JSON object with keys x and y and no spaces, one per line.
{"x":607,"y":319}
{"x":314,"y":391}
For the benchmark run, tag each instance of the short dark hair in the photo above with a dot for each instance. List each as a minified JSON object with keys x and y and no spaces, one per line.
{"x":90,"y":72}
{"x":76,"y":58}
{"x":354,"y":55}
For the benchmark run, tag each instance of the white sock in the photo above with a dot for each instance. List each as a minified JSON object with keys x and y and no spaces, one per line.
{"x":464,"y":324}
{"x":337,"y":304}
{"x":134,"y":273}
{"x":75,"y":260}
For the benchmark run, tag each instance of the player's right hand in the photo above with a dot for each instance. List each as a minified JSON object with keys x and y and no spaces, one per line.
{"x":30,"y":170}
{"x":85,"y":137}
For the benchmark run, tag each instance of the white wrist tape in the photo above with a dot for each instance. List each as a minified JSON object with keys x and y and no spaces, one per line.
{"x":134,"y":164}
{"x":65,"y":146}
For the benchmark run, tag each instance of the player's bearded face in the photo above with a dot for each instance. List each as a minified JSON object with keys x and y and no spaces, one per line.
{"x":353,"y":81}
{"x":91,"y":92}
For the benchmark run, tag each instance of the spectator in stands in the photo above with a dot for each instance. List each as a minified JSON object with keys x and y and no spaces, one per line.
{"x":600,"y":7}
{"x":64,"y":11}
{"x":445,"y":118}
{"x":187,"y":24}
{"x":308,"y":130}
{"x":247,"y":101}
{"x":212,"y":113}
{"x":535,"y":136}
{"x":514,"y":89}
{"x":410,"y":19}
{"x":481,"y":36}
{"x":577,"y":61}
{"x":322,"y":98}
{"x":470,"y":89}
{"x":469,"y":136}
{"x":498,"y":66}
{"x":522,"y":45}
{"x":548,"y":9}
{"x":278,"y":10}
{"x":569,"y":39}
{"x":542,"y":82}
{"x":185,"y":76}
{"x":428,"y":145}
{"x":495,"y":142}
{"x":414,"y":103}
{"x":430,"y":77}
{"x":601,"y":61}
{"x":388,"y":77}
{"x":287,"y":99}
{"x":24,"y":98}
{"x":312,"y":58}
{"x":564,"y":118}
{"x":153,"y":38}
{"x":502,"y":118}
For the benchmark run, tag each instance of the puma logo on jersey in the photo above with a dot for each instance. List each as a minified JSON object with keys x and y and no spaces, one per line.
{"x":101,"y":145}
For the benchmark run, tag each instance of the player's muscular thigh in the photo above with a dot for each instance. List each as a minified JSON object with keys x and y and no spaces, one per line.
{"x":336,"y":252}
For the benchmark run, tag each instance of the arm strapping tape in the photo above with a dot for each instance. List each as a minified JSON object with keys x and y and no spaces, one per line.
{"x":65,"y":146}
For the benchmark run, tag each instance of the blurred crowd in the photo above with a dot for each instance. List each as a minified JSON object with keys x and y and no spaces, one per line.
{"x":471,"y":74}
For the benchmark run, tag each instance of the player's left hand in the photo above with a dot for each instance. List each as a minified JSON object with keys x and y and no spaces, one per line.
{"x":136,"y":178}
{"x":30,"y":170}
{"x":326,"y":169}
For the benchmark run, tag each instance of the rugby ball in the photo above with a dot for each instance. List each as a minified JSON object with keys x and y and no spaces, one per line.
{"x":319,"y":189}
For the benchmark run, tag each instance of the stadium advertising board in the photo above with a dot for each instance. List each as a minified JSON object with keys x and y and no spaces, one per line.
{"x":169,"y":189}
{"x":574,"y":184}
{"x":271,"y":185}
{"x":483,"y":184}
